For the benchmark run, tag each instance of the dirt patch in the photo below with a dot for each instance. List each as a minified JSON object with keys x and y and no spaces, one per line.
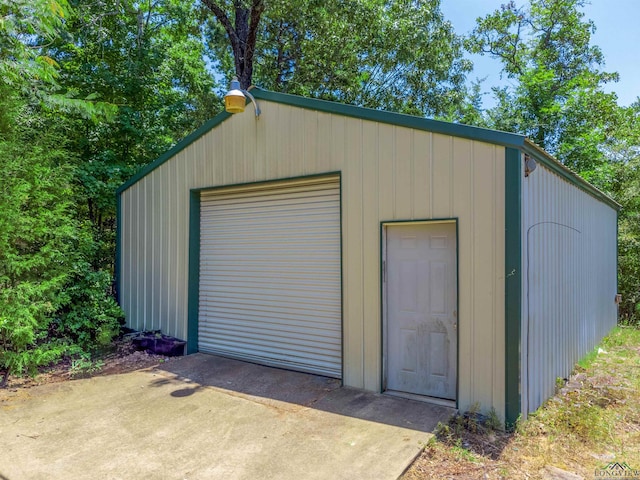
{"x":121,"y":357}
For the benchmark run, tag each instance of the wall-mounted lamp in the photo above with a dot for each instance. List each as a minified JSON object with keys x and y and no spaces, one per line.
{"x":236,"y":98}
{"x":529,"y":165}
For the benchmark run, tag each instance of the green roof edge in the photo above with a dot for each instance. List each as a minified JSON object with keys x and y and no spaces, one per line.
{"x":399,"y":119}
{"x":557,"y":167}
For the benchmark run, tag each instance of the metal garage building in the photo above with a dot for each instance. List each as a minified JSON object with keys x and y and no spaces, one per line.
{"x":420,"y":258}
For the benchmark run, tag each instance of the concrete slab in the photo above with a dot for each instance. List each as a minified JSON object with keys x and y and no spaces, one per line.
{"x":207,"y":417}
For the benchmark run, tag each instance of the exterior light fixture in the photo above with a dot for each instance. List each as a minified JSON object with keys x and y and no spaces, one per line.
{"x":236,"y":98}
{"x":529,"y":165}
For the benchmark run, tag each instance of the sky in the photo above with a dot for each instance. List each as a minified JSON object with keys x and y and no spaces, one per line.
{"x":617,"y":34}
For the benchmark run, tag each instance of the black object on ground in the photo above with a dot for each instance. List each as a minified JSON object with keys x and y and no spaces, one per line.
{"x":158,"y":343}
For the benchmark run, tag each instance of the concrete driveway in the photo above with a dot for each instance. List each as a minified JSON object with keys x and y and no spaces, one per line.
{"x":206,"y":417}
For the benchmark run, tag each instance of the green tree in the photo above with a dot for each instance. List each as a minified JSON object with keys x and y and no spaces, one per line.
{"x":241,"y":27}
{"x":40,"y":235}
{"x":146,"y":59}
{"x":397,"y":55}
{"x":624,"y":171}
{"x":36,"y":233}
{"x":557,"y":100}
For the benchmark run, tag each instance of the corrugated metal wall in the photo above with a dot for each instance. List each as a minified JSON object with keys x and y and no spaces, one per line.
{"x":388,"y":173}
{"x":569,"y":280}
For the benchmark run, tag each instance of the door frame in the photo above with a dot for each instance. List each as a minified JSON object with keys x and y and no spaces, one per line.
{"x":383,"y":308}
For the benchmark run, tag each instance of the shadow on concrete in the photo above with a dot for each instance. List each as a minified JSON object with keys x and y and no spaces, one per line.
{"x":197,"y":371}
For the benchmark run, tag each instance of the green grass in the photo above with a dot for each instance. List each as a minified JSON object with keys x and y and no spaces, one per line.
{"x":581,"y":429}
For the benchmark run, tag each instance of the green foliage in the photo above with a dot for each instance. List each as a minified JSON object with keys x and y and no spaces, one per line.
{"x":557,"y":99}
{"x":24,"y":25}
{"x":146,"y":59}
{"x":622,"y":336}
{"x":493,"y":421}
{"x":395,"y":55}
{"x":588,"y":359}
{"x":44,"y":274}
{"x":36,"y":232}
{"x":91,"y":318}
{"x":624,"y":150}
{"x":83,"y":365}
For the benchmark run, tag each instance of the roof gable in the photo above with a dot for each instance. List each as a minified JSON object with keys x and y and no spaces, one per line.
{"x":496,"y":137}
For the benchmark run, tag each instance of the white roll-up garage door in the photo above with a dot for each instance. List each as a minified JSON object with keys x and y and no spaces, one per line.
{"x":270,"y":288}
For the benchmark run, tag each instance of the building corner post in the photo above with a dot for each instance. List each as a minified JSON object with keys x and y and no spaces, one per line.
{"x":194,"y":272}
{"x":513,"y":285}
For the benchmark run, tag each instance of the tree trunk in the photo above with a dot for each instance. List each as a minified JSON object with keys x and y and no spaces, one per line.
{"x":5,"y":377}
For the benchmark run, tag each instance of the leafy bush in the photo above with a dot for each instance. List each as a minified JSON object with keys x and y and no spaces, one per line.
{"x":90,"y":318}
{"x":52,"y":301}
{"x":36,"y":233}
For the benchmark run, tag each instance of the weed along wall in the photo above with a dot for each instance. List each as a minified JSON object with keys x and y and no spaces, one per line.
{"x":331,"y":239}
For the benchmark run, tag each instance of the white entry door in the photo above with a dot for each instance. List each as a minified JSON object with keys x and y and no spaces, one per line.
{"x":421,"y":303}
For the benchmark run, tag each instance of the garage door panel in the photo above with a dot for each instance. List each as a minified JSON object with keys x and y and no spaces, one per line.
{"x":270,"y":288}
{"x":256,"y":345}
{"x":262,"y":283}
{"x":275,"y":316}
{"x":265,"y":304}
{"x":295,"y":340}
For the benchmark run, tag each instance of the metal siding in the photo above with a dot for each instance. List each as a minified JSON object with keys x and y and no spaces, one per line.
{"x":370,"y":253}
{"x":270,"y":275}
{"x":569,"y":280}
{"x":388,"y":173}
{"x":352,"y":229}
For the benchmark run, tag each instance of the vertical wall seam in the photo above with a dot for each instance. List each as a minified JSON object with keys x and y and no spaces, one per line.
{"x":452,"y":149}
{"x":412,"y":172}
{"x":430,"y":134}
{"x":472,"y":269}
{"x":394,"y":175}
{"x":362,"y":258}
{"x":494,"y":309}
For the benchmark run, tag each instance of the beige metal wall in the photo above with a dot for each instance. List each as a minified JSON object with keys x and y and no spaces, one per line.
{"x":388,"y":173}
{"x":569,"y":280}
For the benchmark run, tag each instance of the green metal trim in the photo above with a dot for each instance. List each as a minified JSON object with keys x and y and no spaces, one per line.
{"x":409,"y":121}
{"x":383,"y":385}
{"x":194,"y":272}
{"x":422,"y":220}
{"x":555,"y":166}
{"x":341,"y":283}
{"x":117,"y":266}
{"x":268,"y":182}
{"x":617,"y":264}
{"x":181,"y":145}
{"x":383,"y":224}
{"x":458,"y":317}
{"x":513,"y":284}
